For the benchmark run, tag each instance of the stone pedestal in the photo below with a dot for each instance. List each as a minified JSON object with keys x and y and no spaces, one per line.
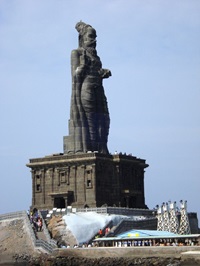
{"x":87,"y":180}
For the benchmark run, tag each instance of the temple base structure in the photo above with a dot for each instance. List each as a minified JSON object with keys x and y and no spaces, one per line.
{"x":87,"y":180}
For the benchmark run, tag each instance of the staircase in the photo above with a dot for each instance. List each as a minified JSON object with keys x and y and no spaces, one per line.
{"x":41,"y":240}
{"x":41,"y":235}
{"x":44,"y":239}
{"x":110,"y":225}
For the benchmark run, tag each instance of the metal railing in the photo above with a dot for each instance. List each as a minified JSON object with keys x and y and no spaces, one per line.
{"x":97,"y":210}
{"x":46,"y":232}
{"x":104,"y":210}
{"x":30,"y":227}
{"x":44,"y":244}
{"x":118,"y":210}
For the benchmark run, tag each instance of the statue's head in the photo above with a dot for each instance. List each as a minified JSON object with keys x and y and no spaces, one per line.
{"x":87,"y":35}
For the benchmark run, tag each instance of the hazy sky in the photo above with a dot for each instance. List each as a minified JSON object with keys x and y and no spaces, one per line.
{"x":152,"y":48}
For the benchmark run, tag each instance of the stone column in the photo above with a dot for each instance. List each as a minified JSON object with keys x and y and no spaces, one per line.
{"x":48,"y":186}
{"x":33,"y":187}
{"x":67,"y":175}
{"x":94,"y":182}
{"x":84,"y":182}
{"x":80,"y":184}
{"x":50,"y":176}
{"x":118,"y":184}
{"x":127,"y":201}
{"x":52,"y":201}
{"x":65,"y":198}
{"x":142,"y":184}
{"x":43,"y":184}
{"x":75,"y":182}
{"x":58,"y":177}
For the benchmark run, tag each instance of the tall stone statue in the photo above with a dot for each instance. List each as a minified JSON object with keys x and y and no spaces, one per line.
{"x":89,"y":116}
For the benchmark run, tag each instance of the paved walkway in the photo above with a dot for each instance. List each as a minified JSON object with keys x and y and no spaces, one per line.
{"x":41,"y":235}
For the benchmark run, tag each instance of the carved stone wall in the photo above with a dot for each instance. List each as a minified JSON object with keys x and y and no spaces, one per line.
{"x":87,"y":180}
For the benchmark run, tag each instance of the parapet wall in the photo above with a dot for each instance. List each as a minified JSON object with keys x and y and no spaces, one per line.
{"x":126,"y":252}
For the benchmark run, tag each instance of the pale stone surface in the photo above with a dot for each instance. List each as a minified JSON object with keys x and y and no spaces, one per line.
{"x":15,"y":240}
{"x":60,"y":232}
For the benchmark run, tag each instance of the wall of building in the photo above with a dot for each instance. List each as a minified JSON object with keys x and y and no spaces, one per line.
{"x":87,"y":180}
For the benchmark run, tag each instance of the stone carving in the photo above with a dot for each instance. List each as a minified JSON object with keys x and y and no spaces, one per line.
{"x":89,"y":116}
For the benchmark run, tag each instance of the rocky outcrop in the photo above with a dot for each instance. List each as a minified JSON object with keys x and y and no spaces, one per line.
{"x":59,"y":231}
{"x":74,"y":261}
{"x":15,"y":241}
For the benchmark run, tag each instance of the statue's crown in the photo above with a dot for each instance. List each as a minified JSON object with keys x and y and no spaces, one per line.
{"x":81,"y":26}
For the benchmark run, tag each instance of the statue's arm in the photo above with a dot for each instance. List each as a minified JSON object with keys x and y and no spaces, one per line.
{"x":105,"y":73}
{"x":77,"y":69}
{"x":75,"y":61}
{"x":78,"y":64}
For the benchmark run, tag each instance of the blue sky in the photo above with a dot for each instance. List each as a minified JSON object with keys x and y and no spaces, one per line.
{"x":153,"y":51}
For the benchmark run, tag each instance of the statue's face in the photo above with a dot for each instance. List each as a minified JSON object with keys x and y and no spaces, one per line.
{"x":89,"y":38}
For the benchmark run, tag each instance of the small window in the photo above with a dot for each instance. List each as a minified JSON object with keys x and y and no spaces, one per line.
{"x":89,"y":183}
{"x":37,"y":179}
{"x":38,"y":183}
{"x":62,"y":177}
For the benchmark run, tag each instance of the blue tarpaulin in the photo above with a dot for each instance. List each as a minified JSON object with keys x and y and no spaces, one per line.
{"x":145,"y":233}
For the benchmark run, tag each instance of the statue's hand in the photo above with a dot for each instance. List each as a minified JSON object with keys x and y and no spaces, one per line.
{"x":105,"y":73}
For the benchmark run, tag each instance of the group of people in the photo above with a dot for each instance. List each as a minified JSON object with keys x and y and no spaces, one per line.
{"x":36,"y":221}
{"x":84,"y":245}
{"x":102,"y":233}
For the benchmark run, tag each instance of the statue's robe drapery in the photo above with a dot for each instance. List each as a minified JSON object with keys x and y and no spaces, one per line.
{"x":89,"y":117}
